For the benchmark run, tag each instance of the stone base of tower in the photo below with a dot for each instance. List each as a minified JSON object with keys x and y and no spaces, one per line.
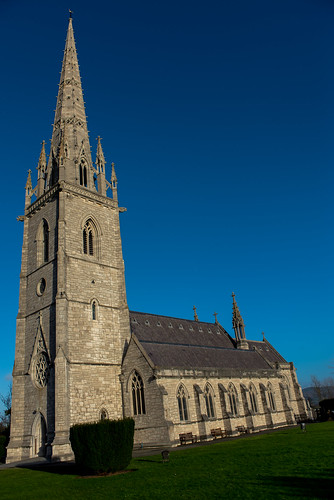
{"x":17,"y":451}
{"x":61,"y":449}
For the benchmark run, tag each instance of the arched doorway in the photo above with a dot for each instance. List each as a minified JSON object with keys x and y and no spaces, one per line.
{"x":39,"y":436}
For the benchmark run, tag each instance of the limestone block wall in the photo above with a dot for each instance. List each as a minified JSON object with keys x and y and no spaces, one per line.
{"x":162,"y":421}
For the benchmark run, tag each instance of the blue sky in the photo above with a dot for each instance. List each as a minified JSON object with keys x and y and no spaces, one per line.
{"x":219,"y":117}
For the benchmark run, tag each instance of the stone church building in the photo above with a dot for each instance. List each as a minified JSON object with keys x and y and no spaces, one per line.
{"x":81,"y":355}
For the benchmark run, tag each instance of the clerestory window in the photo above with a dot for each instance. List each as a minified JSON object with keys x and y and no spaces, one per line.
{"x":138,"y":397}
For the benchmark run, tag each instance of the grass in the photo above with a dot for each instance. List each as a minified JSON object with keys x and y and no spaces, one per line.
{"x":283,"y":464}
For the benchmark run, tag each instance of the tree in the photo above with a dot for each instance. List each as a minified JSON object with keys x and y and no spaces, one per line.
{"x":5,"y":414}
{"x":324,"y":389}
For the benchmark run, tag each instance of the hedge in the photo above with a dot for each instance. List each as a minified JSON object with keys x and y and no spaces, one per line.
{"x":3,"y":443}
{"x":104,"y":446}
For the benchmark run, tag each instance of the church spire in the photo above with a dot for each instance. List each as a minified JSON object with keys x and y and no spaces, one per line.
{"x":70,"y":110}
{"x":238,"y":326}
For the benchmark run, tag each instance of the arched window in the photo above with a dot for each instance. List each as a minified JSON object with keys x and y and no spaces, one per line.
{"x":271,"y":398}
{"x":138,"y":399}
{"x":88,"y":238}
{"x":94,"y":310}
{"x":45,"y":240}
{"x":42,"y":240}
{"x":103,"y":414}
{"x":232,"y":397}
{"x":208,"y":396}
{"x":83,"y":173}
{"x":182,"y":402}
{"x":253,"y":398}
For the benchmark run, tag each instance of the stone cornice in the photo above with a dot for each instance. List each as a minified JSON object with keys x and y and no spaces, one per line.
{"x":74,"y":189}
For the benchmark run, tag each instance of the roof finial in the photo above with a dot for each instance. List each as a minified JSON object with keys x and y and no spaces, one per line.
{"x":263,"y":336}
{"x":195,"y":314}
{"x":71,"y":12}
{"x":215,"y":315}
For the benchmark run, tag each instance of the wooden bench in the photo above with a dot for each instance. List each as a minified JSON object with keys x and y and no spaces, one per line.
{"x":218,"y":433}
{"x":242,"y":429}
{"x":187,"y":436}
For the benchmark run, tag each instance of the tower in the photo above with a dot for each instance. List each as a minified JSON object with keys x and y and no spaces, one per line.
{"x":73,"y":318}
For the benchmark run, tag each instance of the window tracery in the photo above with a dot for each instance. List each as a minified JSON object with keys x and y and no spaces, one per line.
{"x":208,"y":396}
{"x":182,"y":403}
{"x":138,"y":397}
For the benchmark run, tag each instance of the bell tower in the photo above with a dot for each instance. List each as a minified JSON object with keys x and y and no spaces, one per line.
{"x":73,"y":319}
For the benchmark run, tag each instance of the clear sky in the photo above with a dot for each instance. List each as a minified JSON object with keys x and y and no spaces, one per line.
{"x":219,"y":116}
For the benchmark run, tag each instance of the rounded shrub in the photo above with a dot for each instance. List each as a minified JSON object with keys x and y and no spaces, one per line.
{"x":104,"y":446}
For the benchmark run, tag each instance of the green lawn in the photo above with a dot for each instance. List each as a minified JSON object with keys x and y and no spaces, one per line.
{"x":282,"y":464}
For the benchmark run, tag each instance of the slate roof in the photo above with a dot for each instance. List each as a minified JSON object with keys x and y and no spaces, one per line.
{"x":182,"y":343}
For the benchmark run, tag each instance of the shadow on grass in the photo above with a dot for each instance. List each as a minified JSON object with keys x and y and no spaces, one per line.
{"x":306,"y":487}
{"x":67,"y":469}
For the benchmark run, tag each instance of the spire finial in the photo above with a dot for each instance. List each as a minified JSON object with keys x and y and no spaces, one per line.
{"x":70,"y":12}
{"x":238,"y":325}
{"x":195,"y":314}
{"x":29,"y":183}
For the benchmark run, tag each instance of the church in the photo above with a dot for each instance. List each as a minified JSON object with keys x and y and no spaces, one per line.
{"x":81,"y":355}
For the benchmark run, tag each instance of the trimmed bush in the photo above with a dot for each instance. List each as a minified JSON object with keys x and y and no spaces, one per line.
{"x":3,"y":442}
{"x":104,"y":446}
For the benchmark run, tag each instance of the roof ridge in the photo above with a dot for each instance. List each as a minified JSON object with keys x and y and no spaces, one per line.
{"x":173,"y":317}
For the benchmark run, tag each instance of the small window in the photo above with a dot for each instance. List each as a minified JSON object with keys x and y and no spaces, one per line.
{"x":94,"y":310}
{"x":103,"y":414}
{"x":147,"y":323}
{"x":170,"y":325}
{"x":191,"y":328}
{"x":200,"y":329}
{"x":181,"y":327}
{"x":158,"y":324}
{"x":138,"y":397}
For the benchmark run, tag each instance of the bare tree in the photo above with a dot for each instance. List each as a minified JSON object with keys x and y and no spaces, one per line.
{"x":5,"y":414}
{"x":324,"y":389}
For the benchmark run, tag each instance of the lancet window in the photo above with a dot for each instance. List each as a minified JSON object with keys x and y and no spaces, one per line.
{"x":271,"y":398}
{"x":138,"y":397}
{"x":182,"y":403}
{"x":208,"y":396}
{"x":42,"y":239}
{"x":253,"y":399}
{"x":83,"y":173}
{"x":88,"y":236}
{"x":94,"y":310}
{"x":232,"y":397}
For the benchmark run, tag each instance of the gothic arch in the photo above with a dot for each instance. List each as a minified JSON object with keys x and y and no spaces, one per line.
{"x":136,"y":387}
{"x":209,"y":400}
{"x":38,"y":436}
{"x":233,"y":400}
{"x":182,"y":401}
{"x":94,"y":309}
{"x":253,"y":398}
{"x":91,"y":236}
{"x":271,"y":397}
